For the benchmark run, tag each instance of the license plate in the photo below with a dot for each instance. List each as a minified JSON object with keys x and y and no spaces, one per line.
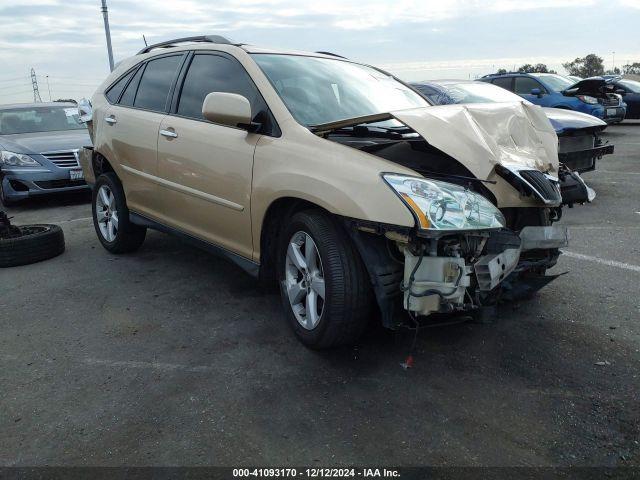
{"x":612,"y":112}
{"x":76,"y":174}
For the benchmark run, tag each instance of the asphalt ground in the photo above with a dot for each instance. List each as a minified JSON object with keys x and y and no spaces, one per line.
{"x":171,"y":356}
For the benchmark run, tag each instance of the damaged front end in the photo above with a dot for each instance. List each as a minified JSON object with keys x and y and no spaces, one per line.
{"x":459,"y":258}
{"x":579,"y":141}
{"x":484,"y":206}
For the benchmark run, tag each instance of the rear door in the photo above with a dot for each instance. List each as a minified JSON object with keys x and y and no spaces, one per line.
{"x":206,"y":168}
{"x":134,"y":122}
{"x":504,"y":82}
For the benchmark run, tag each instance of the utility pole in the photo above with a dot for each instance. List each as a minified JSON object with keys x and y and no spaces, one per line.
{"x":34,"y":84}
{"x":613,"y":61}
{"x":107,"y":32}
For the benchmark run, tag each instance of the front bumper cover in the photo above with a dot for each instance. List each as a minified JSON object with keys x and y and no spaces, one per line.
{"x":22,"y":183}
{"x":544,"y":238}
{"x":584,"y":160}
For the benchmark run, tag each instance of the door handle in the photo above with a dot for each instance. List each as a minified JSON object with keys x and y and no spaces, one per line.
{"x":110,"y":119}
{"x":168,"y":133}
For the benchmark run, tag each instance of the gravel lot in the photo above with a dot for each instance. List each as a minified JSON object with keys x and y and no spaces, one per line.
{"x":171,"y":356}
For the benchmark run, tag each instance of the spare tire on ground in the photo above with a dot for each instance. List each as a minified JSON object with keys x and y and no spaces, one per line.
{"x":29,"y":243}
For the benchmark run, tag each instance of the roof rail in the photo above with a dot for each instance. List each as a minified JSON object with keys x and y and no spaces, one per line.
{"x":332,"y":54}
{"x":171,"y":43}
{"x":504,"y":73}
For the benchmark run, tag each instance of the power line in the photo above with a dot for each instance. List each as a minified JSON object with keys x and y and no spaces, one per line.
{"x":13,"y":79}
{"x":4,"y":89}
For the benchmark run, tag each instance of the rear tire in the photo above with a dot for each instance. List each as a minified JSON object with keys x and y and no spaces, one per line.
{"x":343,"y":309}
{"x":34,"y":244}
{"x":111,"y":216}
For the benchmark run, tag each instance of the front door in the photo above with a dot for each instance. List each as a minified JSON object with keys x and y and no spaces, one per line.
{"x":205,"y":168}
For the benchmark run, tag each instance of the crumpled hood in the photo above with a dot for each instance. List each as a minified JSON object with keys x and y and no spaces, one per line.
{"x":591,"y":86}
{"x":483,"y":135}
{"x":567,"y":120}
{"x":38,"y":142}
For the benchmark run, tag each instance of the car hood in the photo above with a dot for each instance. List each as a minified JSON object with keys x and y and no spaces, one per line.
{"x":591,"y":86}
{"x":39,"y":142}
{"x":483,"y":135}
{"x":564,"y":121}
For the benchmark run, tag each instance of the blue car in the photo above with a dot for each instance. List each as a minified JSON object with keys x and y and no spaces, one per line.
{"x":594,"y":96}
{"x":39,"y":145}
{"x":630,"y":89}
{"x":579,"y":142}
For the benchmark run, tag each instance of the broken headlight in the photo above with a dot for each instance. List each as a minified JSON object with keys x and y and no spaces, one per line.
{"x":441,"y":205}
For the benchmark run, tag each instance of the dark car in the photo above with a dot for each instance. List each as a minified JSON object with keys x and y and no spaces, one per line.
{"x":579,"y":143}
{"x":631,"y":97}
{"x":39,"y":144}
{"x":595,"y":96}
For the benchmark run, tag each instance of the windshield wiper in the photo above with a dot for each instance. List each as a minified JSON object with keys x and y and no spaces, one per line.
{"x":323,"y":128}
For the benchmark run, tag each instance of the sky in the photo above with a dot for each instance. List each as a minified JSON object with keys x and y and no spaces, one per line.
{"x":64,"y":40}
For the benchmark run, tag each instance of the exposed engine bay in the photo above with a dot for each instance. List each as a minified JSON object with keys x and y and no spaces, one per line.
{"x":431,"y":271}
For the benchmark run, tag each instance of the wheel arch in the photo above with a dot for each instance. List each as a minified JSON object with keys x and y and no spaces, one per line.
{"x":275,"y":215}
{"x":101,"y":165}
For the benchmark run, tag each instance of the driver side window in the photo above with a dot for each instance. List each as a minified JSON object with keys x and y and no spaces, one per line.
{"x":524,"y":85}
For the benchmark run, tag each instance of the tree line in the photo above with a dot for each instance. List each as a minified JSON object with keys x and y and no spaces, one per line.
{"x":589,"y":66}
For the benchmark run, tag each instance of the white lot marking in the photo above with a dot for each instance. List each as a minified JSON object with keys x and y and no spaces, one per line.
{"x":621,"y":173}
{"x":603,"y":261}
{"x":607,"y":227}
{"x":168,"y":367}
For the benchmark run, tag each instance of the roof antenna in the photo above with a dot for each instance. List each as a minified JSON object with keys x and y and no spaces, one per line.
{"x":145,"y":40}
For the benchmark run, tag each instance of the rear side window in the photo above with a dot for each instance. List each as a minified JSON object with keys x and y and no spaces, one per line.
{"x":524,"y":85}
{"x":130,"y":92}
{"x":213,"y":73}
{"x":156,"y":82}
{"x":114,"y":92}
{"x":504,"y":82}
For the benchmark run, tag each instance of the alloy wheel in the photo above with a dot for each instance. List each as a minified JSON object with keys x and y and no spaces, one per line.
{"x":107,"y":213}
{"x":304,"y":280}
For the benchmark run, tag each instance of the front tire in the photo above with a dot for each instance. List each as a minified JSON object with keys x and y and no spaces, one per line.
{"x":111,"y":216}
{"x":325,"y":289}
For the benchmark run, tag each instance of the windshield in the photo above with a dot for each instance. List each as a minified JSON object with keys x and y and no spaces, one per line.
{"x":39,"y":119}
{"x":631,"y":85}
{"x":480,"y":93}
{"x":321,"y":90}
{"x":554,"y":82}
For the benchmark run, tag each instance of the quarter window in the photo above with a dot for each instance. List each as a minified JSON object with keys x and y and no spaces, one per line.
{"x":524,"y":85}
{"x":130,"y":92}
{"x":214,"y":73}
{"x":114,"y":92}
{"x":156,"y":82}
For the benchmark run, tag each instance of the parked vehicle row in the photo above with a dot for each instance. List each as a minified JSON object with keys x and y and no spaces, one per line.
{"x":579,"y":142}
{"x":595,"y":96}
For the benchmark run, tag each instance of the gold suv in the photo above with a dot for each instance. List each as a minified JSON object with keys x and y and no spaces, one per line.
{"x":331,"y":179}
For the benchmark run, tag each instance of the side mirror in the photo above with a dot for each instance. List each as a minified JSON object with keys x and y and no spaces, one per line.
{"x":228,"y":109}
{"x":537,"y":92}
{"x":85,"y":111}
